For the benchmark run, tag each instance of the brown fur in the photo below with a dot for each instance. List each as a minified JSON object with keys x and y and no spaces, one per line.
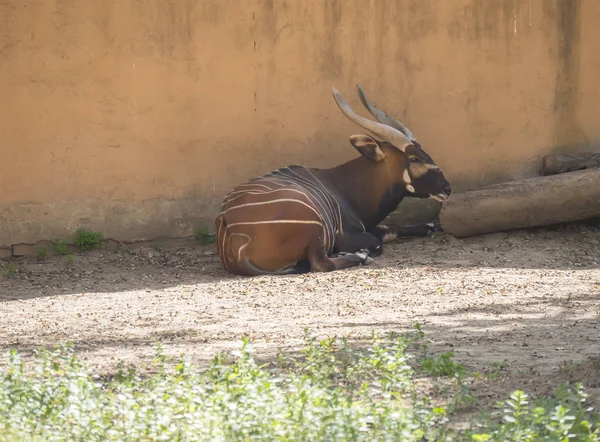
{"x":277,"y":243}
{"x":296,"y":214}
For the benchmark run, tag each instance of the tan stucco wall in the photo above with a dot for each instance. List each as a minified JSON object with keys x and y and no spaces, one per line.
{"x":135,"y":117}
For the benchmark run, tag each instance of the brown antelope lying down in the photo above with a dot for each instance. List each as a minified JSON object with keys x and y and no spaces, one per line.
{"x":298,"y":219}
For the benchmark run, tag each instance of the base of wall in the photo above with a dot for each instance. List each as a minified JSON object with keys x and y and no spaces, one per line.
{"x":46,"y":248}
{"x":118,"y":220}
{"x":25,"y":229}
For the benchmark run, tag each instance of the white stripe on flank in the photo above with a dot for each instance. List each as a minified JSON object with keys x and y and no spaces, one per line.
{"x":254,"y":184}
{"x":250,"y":192}
{"x":324,"y":199}
{"x":314,"y":209}
{"x":308,"y":190}
{"x":317,"y":196}
{"x":339,"y":212}
{"x":241,"y":249}
{"x":281,"y":200}
{"x":327,"y":198}
{"x":233,"y":192}
{"x":276,"y":221}
{"x":242,"y":193}
{"x":276,"y":183}
{"x":222,"y":244}
{"x":243,"y":246}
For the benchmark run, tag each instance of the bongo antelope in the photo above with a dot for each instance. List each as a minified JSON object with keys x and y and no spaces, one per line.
{"x":298,"y":219}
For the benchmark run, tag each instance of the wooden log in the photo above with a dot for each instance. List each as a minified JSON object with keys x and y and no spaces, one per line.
{"x":562,"y":163}
{"x":525,"y":203}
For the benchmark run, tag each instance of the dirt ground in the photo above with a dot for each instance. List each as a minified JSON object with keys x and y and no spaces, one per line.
{"x":524,"y":305}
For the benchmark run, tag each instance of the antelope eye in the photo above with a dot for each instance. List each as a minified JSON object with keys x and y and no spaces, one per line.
{"x":415,"y":160}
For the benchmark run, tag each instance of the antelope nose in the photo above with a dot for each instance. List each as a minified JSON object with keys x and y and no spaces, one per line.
{"x":447,"y":189}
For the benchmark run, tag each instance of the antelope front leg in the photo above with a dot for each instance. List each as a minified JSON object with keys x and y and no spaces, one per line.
{"x":320,"y":262}
{"x":352,"y":242}
{"x":386,"y":233}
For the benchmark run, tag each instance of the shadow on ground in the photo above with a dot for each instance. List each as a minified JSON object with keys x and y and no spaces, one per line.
{"x":520,"y":308}
{"x":534,"y":356}
{"x":560,"y":248}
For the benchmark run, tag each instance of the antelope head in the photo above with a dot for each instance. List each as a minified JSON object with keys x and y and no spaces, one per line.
{"x":399,"y":151}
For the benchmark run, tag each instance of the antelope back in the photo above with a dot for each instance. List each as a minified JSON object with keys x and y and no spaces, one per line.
{"x":272,"y":219}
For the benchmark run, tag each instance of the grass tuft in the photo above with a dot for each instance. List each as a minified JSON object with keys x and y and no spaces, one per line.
{"x":87,"y":239}
{"x":60,"y":246}
{"x":203,"y":237}
{"x":8,"y":270}
{"x":42,"y":253}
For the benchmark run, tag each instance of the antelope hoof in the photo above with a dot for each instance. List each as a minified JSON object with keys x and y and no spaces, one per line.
{"x":360,"y":257}
{"x":435,"y":226}
{"x":375,"y":251}
{"x":364,"y":256}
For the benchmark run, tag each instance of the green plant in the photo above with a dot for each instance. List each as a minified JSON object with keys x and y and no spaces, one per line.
{"x":87,"y":239}
{"x":70,"y":258}
{"x":60,"y":247}
{"x":318,"y":397}
{"x":564,"y":417}
{"x":433,"y":365}
{"x":442,"y":365}
{"x":203,"y":237}
{"x":496,"y":369}
{"x":331,"y":392}
{"x":418,"y":341}
{"x":42,"y":253}
{"x":9,"y":270}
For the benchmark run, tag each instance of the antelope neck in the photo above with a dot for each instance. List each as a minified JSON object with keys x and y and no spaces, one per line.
{"x":368,"y":187}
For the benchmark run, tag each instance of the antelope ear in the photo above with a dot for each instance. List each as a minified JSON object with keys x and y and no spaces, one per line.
{"x":367,"y":147}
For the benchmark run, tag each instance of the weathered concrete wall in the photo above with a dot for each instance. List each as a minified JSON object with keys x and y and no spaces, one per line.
{"x":135,"y":117}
